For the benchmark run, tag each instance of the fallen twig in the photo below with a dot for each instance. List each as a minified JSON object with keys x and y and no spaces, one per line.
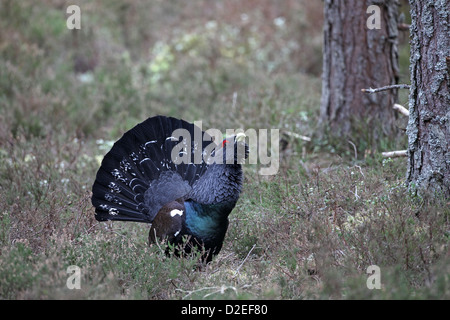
{"x":233,"y":106}
{"x":401,"y":109}
{"x":403,"y":26}
{"x":395,"y":154}
{"x":157,"y":242}
{"x":360,"y":170}
{"x":298,"y":136}
{"x":190,"y":292}
{"x":248,"y":254}
{"x":354,"y":149}
{"x":394,"y":86}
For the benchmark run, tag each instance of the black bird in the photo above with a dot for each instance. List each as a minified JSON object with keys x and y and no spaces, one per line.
{"x":161,"y":172}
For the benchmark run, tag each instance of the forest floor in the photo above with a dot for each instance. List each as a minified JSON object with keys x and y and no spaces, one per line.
{"x":335,"y":207}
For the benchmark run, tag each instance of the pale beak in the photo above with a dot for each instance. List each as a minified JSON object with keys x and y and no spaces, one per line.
{"x":240,"y":137}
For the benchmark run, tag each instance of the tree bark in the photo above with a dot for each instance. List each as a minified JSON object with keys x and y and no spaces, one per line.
{"x":429,"y":102}
{"x":356,"y":57}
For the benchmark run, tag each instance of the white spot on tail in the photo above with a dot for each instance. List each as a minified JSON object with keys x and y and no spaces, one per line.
{"x":174,"y":212}
{"x":113,"y":211}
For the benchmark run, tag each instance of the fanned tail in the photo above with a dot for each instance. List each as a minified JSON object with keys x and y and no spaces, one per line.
{"x":137,"y":176}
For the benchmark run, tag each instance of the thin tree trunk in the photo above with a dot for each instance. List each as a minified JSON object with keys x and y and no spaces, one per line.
{"x":355,"y":57}
{"x":429,"y":102}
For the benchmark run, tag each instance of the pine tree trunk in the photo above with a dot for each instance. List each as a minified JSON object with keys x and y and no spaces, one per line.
{"x":429,"y":102}
{"x":356,"y":57}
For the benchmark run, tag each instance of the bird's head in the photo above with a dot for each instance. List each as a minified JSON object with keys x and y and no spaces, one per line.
{"x":233,"y":149}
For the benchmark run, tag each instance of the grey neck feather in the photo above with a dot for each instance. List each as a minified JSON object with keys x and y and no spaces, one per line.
{"x":220,"y":183}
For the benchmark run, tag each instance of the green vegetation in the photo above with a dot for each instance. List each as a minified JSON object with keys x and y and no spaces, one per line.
{"x":309,"y":232}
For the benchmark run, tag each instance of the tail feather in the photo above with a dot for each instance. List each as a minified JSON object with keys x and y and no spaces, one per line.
{"x":127,"y":185}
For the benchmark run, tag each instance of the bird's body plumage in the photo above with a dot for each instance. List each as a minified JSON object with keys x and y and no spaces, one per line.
{"x":141,"y":179}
